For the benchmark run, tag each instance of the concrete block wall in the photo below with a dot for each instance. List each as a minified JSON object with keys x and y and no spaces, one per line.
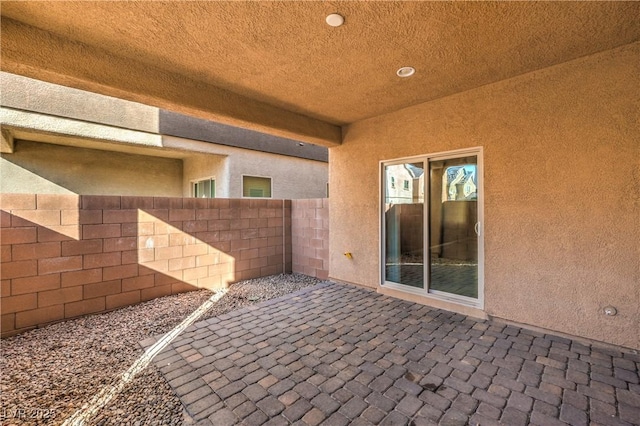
{"x":408,"y":221}
{"x":452,"y":229}
{"x":458,"y":225}
{"x":310,"y":237}
{"x":65,"y":256}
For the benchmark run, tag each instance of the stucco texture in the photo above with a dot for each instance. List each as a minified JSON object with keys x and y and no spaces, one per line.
{"x":40,"y":168}
{"x":200,"y":167}
{"x":276,"y":66}
{"x":228,"y":164}
{"x":33,"y":95}
{"x":561,"y":185}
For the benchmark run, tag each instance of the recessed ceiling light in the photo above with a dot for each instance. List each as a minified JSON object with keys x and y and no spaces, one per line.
{"x":335,"y":20}
{"x":406,"y":72}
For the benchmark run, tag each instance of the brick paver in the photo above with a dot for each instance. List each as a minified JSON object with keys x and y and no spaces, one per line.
{"x":338,"y":354}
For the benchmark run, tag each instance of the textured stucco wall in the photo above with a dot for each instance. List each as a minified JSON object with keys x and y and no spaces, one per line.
{"x":200,"y":167}
{"x":34,"y":105}
{"x":283,"y":54}
{"x":33,"y":95}
{"x":291,"y":177}
{"x":52,"y":169}
{"x":183,"y":126}
{"x":35,"y":126}
{"x":46,"y":56}
{"x":562,"y":222}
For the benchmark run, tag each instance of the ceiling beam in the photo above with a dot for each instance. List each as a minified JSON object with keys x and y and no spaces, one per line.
{"x":38,"y":54}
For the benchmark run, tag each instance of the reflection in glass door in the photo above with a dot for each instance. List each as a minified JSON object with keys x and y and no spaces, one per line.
{"x":433,"y":202}
{"x":404,"y":223}
{"x":453,"y":226}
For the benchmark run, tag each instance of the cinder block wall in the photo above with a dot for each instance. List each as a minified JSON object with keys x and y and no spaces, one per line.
{"x":64,"y":256}
{"x":310,"y":237}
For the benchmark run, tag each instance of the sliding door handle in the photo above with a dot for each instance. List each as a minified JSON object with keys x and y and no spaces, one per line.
{"x":477,"y":228}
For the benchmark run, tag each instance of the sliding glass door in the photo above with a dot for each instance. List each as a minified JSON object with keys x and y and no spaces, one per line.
{"x":404,"y":222}
{"x":433,"y":202}
{"x":453,"y":226}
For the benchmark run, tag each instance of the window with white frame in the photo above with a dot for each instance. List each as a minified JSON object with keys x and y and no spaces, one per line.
{"x":205,"y":188}
{"x":256,"y":187}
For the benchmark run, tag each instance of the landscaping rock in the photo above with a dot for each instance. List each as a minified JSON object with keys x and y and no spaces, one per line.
{"x":49,"y":373}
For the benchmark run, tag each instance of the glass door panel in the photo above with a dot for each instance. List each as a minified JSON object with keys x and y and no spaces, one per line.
{"x":453,"y":226}
{"x":404,"y":224}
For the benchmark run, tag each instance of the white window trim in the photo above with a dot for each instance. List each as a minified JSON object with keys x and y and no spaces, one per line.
{"x":256,"y":176}
{"x":192,"y":183}
{"x":425,"y":292}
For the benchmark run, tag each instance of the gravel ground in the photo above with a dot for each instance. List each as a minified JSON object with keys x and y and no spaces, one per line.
{"x":48,"y":373}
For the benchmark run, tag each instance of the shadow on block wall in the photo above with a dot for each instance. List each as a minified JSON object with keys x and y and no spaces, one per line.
{"x":64,"y":256}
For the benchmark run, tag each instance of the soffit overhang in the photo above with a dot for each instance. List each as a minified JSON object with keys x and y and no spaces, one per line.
{"x":277,"y":67}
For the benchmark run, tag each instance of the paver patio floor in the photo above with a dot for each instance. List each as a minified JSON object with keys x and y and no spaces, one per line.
{"x":336,"y":354}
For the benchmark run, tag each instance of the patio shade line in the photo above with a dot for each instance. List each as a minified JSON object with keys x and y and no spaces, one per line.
{"x":102,"y":398}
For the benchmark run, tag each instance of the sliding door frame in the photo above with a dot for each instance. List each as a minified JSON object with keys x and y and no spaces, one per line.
{"x":426,"y":291}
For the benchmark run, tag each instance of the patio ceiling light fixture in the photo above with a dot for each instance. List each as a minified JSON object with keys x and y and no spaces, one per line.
{"x":335,"y":20}
{"x":406,"y":72}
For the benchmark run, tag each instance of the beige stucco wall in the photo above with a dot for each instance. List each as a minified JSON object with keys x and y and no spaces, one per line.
{"x":33,"y":95}
{"x":35,"y":126}
{"x":291,"y":177}
{"x":45,"y":56}
{"x":562,"y":189}
{"x":199,"y":167}
{"x":40,"y":168}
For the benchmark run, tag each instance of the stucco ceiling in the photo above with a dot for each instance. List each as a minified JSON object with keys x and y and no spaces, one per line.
{"x":283,"y":54}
